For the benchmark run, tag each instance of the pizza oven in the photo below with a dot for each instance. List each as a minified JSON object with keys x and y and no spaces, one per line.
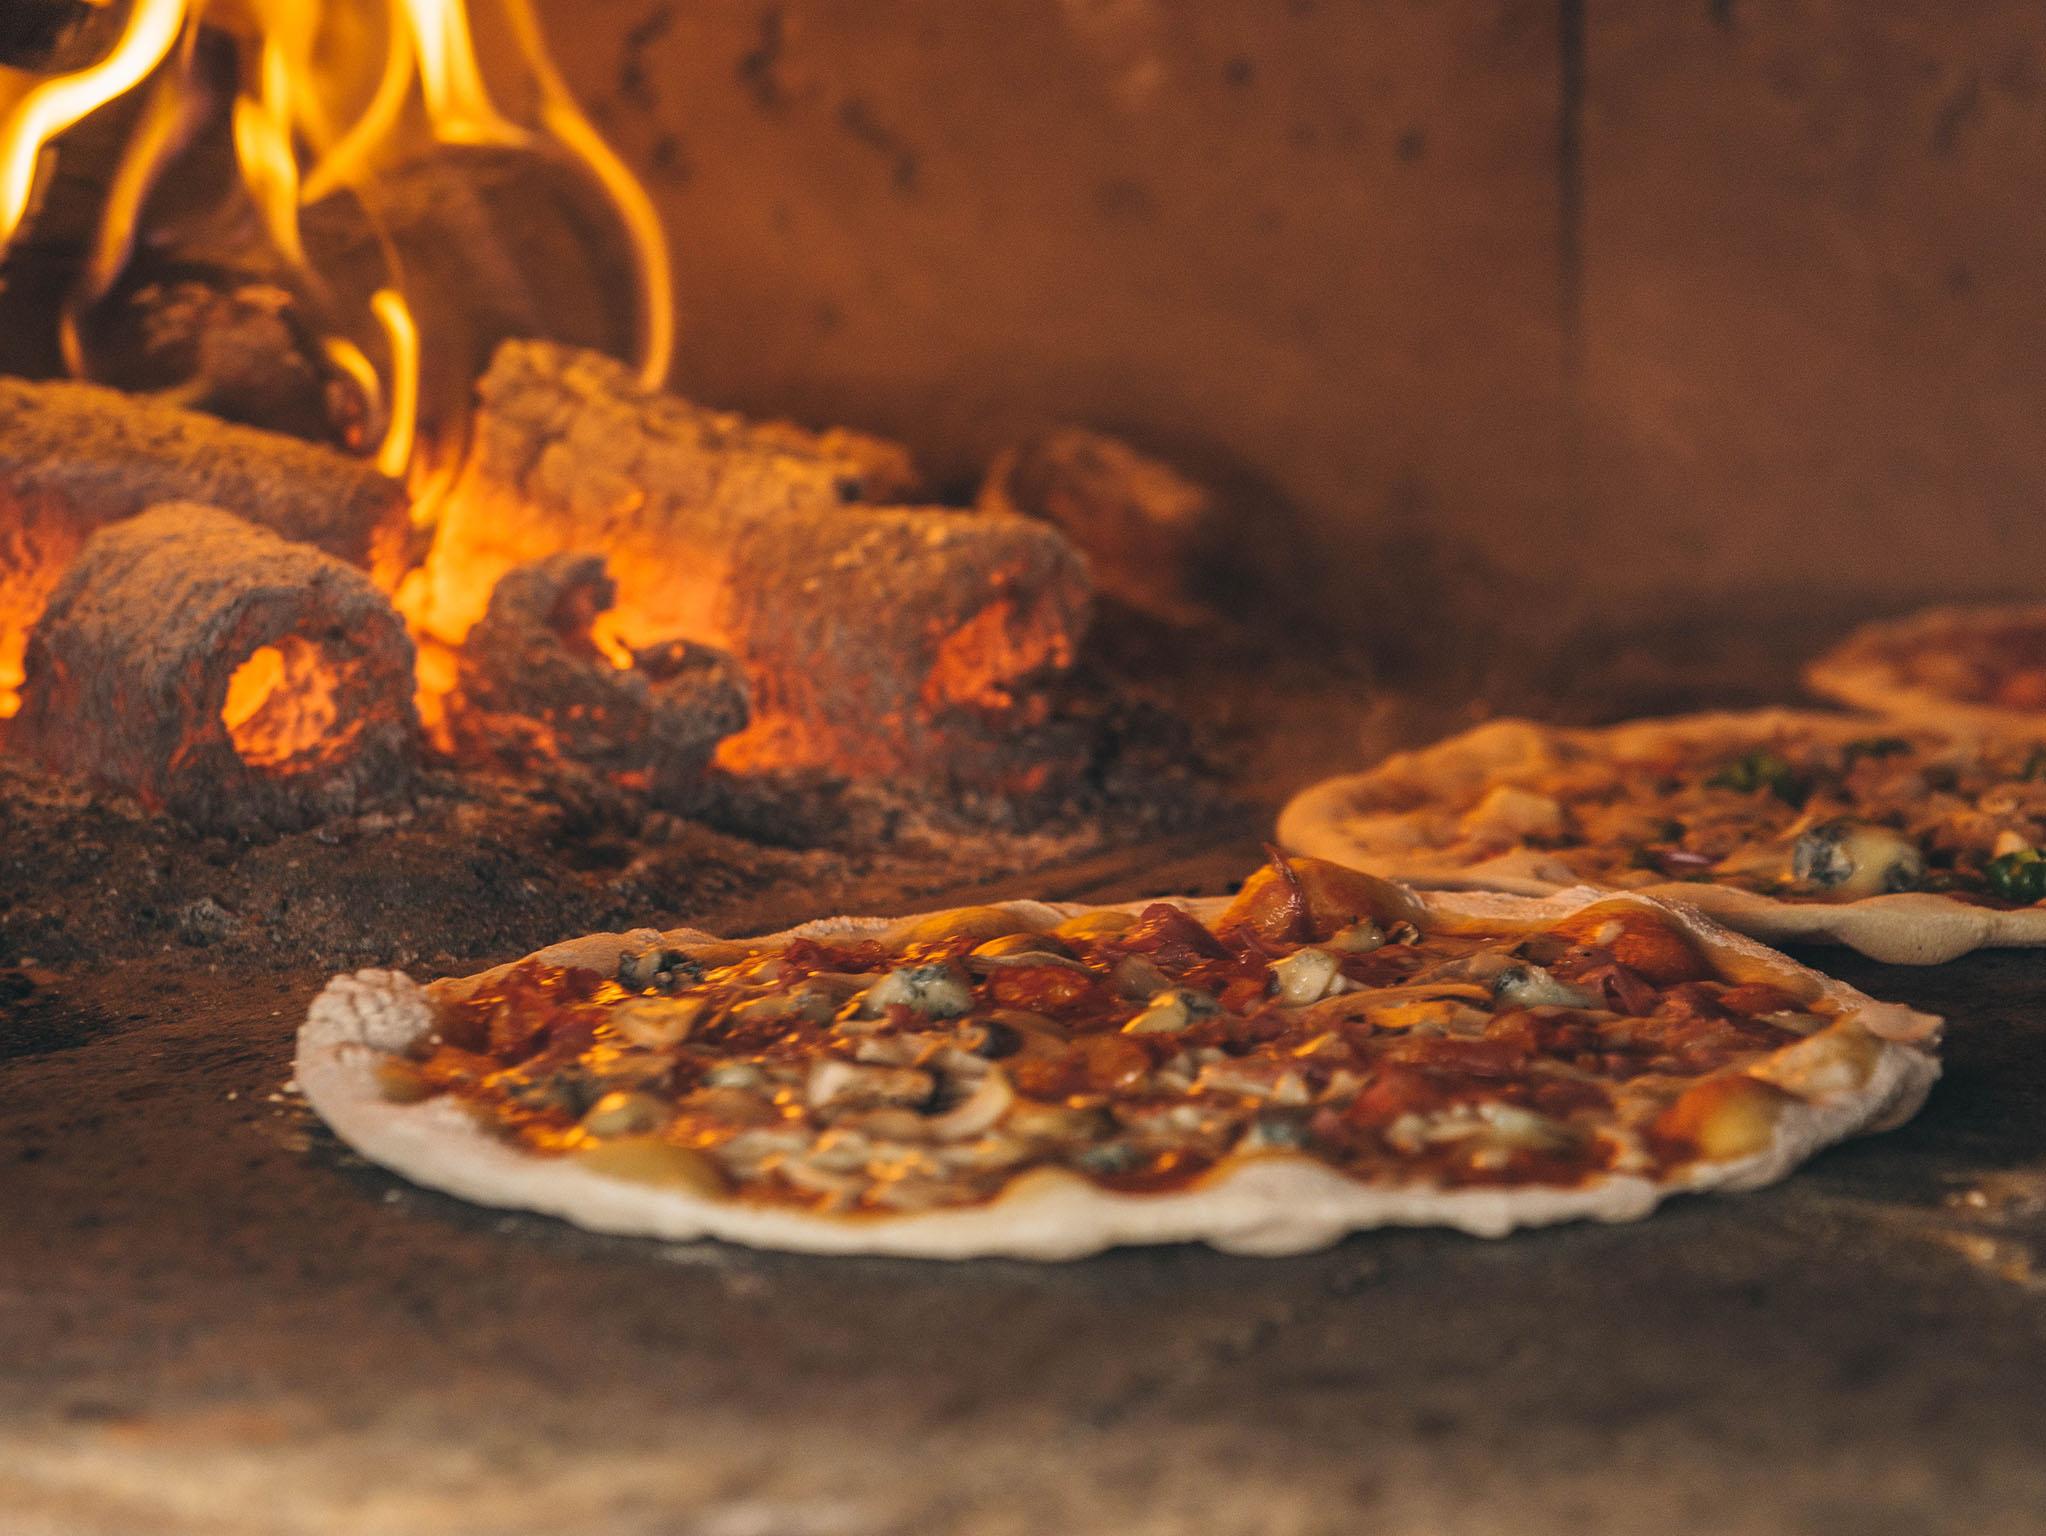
{"x":475,"y":472}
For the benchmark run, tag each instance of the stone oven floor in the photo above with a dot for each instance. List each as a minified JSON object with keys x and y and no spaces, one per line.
{"x":214,"y":1321}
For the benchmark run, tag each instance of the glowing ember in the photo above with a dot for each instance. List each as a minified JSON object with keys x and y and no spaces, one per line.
{"x":281,"y":704}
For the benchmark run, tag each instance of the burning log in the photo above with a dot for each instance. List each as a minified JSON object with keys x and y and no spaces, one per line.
{"x":875,"y":640}
{"x":220,"y":673}
{"x":74,"y":457}
{"x":53,"y":36}
{"x":215,"y":340}
{"x":537,"y":686}
{"x":1147,"y":529}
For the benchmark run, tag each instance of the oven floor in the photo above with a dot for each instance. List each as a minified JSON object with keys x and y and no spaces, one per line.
{"x":214,"y":1320}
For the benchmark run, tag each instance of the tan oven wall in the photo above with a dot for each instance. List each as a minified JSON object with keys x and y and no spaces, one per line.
{"x":1607,"y":299}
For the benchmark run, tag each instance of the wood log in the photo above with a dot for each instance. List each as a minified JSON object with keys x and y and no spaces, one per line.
{"x":1150,"y":533}
{"x":74,"y":457}
{"x":876,"y":640}
{"x":535,"y":689}
{"x":485,"y":243}
{"x":220,"y":673}
{"x":216,"y":340}
{"x":56,"y":36}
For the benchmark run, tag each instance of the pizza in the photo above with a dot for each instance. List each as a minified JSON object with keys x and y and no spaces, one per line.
{"x":1324,"y":1053}
{"x":1982,"y":667}
{"x":1910,"y":841}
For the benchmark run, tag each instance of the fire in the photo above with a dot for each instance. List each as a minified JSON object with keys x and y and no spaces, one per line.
{"x":281,"y":704}
{"x":323,"y":99}
{"x":326,"y":97}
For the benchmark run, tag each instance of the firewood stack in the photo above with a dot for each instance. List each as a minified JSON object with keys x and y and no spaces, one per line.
{"x":76,"y":457}
{"x":769,"y":601}
{"x":218,"y":672}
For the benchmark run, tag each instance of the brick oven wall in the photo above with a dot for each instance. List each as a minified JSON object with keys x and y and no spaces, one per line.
{"x":1609,"y":301}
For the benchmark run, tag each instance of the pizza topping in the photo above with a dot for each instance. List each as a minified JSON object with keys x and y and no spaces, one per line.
{"x":2017,"y":875}
{"x":1761,"y":770}
{"x":1852,"y":859}
{"x":1529,"y":986}
{"x":940,"y":990}
{"x":1724,"y":1117}
{"x":1307,"y":975}
{"x":1806,"y":811}
{"x":1171,"y":1011}
{"x":1324,"y":1015}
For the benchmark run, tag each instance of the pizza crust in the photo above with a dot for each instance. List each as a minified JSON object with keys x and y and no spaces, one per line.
{"x":1860,"y":671}
{"x":1268,"y":1203}
{"x":1366,"y":820}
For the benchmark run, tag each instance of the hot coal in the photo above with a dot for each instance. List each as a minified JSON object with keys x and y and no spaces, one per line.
{"x":220,"y":673}
{"x":876,"y":640}
{"x":536,"y":690}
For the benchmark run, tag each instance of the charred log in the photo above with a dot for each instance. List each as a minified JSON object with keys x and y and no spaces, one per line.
{"x":219,"y":341}
{"x":56,"y":36}
{"x":876,"y":640}
{"x":1149,"y":532}
{"x":487,"y":243}
{"x":220,"y":673}
{"x":74,"y":457}
{"x":536,"y":689}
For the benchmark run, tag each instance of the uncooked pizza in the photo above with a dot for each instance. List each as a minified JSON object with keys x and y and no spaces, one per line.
{"x":1324,"y":1053}
{"x":1910,"y":841}
{"x":1982,"y":667}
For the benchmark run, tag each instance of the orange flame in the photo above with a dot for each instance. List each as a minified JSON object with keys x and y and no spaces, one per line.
{"x":281,"y":705}
{"x":327,"y":99}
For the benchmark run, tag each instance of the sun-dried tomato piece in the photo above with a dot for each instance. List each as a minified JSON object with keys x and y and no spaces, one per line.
{"x":1393,"y":1090}
{"x":1755,"y":998}
{"x":1054,"y":990}
{"x":1637,"y":938}
{"x":1170,"y":937}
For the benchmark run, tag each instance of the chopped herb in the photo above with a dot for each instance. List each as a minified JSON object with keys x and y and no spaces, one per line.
{"x":2019,"y":876}
{"x":1762,"y":770}
{"x":2035,"y":766}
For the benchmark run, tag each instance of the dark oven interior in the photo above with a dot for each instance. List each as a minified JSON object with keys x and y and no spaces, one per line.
{"x":391,"y":575}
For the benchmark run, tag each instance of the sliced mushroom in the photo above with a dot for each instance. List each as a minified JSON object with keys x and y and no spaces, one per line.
{"x":1529,"y":986}
{"x":939,"y":990}
{"x":1272,"y":1081}
{"x":1138,"y":976}
{"x":735,"y":1074}
{"x":1358,"y":939}
{"x":1307,"y":975}
{"x":1172,"y":1011}
{"x":836,"y":1083}
{"x":816,"y":999}
{"x":658,"y":1021}
{"x":626,"y":1114}
{"x":979,"y":1111}
{"x":1012,"y":944}
{"x":1851,"y":859}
